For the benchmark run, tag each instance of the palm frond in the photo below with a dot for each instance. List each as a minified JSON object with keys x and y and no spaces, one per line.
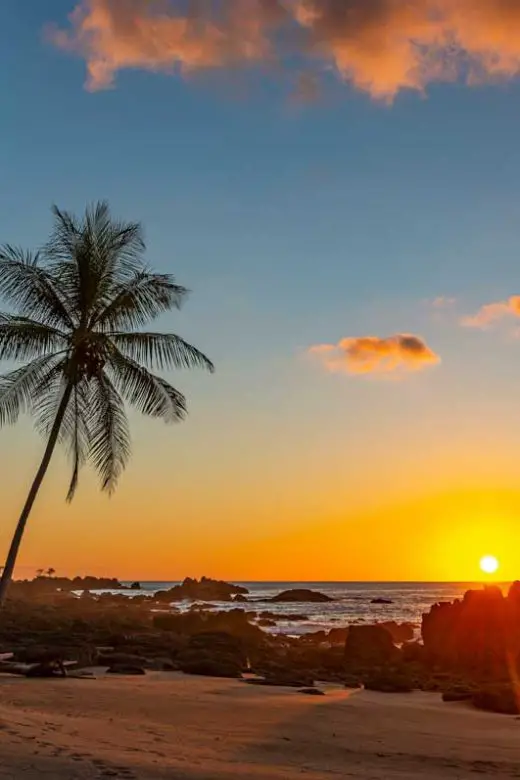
{"x":21,"y":388}
{"x":160,"y":350}
{"x":22,"y":338}
{"x":32,"y":289}
{"x":110,"y":444}
{"x":94,"y":255}
{"x":138,"y":301}
{"x":77,"y":429}
{"x":150,"y":394}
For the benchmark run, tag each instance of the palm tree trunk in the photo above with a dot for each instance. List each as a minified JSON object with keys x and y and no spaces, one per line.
{"x":7,"y":573}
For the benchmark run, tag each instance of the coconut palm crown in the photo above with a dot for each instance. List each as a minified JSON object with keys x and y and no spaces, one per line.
{"x":78,"y":309}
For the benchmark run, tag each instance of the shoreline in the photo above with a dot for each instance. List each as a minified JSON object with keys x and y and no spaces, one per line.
{"x":174,"y":726}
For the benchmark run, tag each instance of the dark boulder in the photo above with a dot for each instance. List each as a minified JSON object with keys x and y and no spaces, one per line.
{"x":400,"y":632}
{"x":369,"y":645}
{"x":381,"y":601}
{"x":300,"y":595}
{"x":120,"y":659}
{"x":128,"y":669}
{"x":285,"y":679}
{"x":389,"y":681}
{"x":233,"y":622}
{"x":414,"y":653}
{"x":504,"y":699}
{"x":213,"y":654}
{"x":210,"y":667}
{"x":458,"y":692}
{"x":135,"y":586}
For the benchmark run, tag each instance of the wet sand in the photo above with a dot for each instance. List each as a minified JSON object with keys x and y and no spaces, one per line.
{"x":191,"y":728}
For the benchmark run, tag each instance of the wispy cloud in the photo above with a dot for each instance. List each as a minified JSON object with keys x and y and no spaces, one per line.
{"x":491,"y":313}
{"x":379,"y":46}
{"x":373,"y":355}
{"x":443,"y":302}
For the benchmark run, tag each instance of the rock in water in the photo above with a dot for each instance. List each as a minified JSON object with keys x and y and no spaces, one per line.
{"x":205,"y":589}
{"x":301,"y":595}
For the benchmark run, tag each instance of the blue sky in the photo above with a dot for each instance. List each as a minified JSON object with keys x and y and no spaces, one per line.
{"x":294,"y":225}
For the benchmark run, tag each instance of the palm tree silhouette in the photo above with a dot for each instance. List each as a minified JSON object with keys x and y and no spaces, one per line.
{"x":79,"y":308}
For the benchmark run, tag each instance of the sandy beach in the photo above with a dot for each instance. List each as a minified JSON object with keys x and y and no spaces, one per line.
{"x":189,"y":728}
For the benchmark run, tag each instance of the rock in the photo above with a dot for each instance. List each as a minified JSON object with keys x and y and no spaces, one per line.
{"x":413,"y":652}
{"x":129,"y":669}
{"x":477,"y":636}
{"x":266,"y":623}
{"x":301,"y":595}
{"x":338,"y":636}
{"x":210,"y":667}
{"x":162,"y":665}
{"x":352,"y":681}
{"x":204,"y":589}
{"x":503,"y":699}
{"x":312,"y":692}
{"x":233,"y":622}
{"x":369,"y":645}
{"x":389,"y":681}
{"x":120,"y":659}
{"x":213,"y":654}
{"x":47,"y":669}
{"x":240,"y":598}
{"x":135,"y":586}
{"x":400,"y":632}
{"x":458,"y":693}
{"x":284,"y":680}
{"x":381,"y":601}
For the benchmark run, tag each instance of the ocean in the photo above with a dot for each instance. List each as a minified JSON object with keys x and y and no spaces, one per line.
{"x":352,"y":602}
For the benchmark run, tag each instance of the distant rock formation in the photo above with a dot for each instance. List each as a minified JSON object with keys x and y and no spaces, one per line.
{"x":204,"y":589}
{"x":43,"y":585}
{"x":302,"y":595}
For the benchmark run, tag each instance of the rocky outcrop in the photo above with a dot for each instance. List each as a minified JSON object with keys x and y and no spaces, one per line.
{"x":302,"y":595}
{"x":369,"y":645}
{"x":213,"y":654}
{"x":478,"y":635}
{"x":204,"y":589}
{"x":234,"y":623}
{"x":400,"y":632}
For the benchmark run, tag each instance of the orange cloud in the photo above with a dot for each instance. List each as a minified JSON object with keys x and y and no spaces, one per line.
{"x":373,"y":355}
{"x":493,"y":312}
{"x":380,"y":46}
{"x":113,"y":35}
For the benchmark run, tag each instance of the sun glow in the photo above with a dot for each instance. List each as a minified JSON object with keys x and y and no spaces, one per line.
{"x":489,"y":564}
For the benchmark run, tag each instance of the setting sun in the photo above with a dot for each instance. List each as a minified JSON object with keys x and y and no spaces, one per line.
{"x":489,"y":564}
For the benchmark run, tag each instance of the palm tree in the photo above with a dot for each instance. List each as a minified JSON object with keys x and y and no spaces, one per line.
{"x":78,"y":309}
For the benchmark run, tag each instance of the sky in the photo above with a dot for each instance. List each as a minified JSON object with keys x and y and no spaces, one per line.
{"x":338,"y":186}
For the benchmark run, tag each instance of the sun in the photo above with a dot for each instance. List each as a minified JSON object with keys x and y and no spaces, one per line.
{"x":489,"y":564}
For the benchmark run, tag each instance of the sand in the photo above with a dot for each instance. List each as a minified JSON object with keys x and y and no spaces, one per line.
{"x":192,"y":728}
